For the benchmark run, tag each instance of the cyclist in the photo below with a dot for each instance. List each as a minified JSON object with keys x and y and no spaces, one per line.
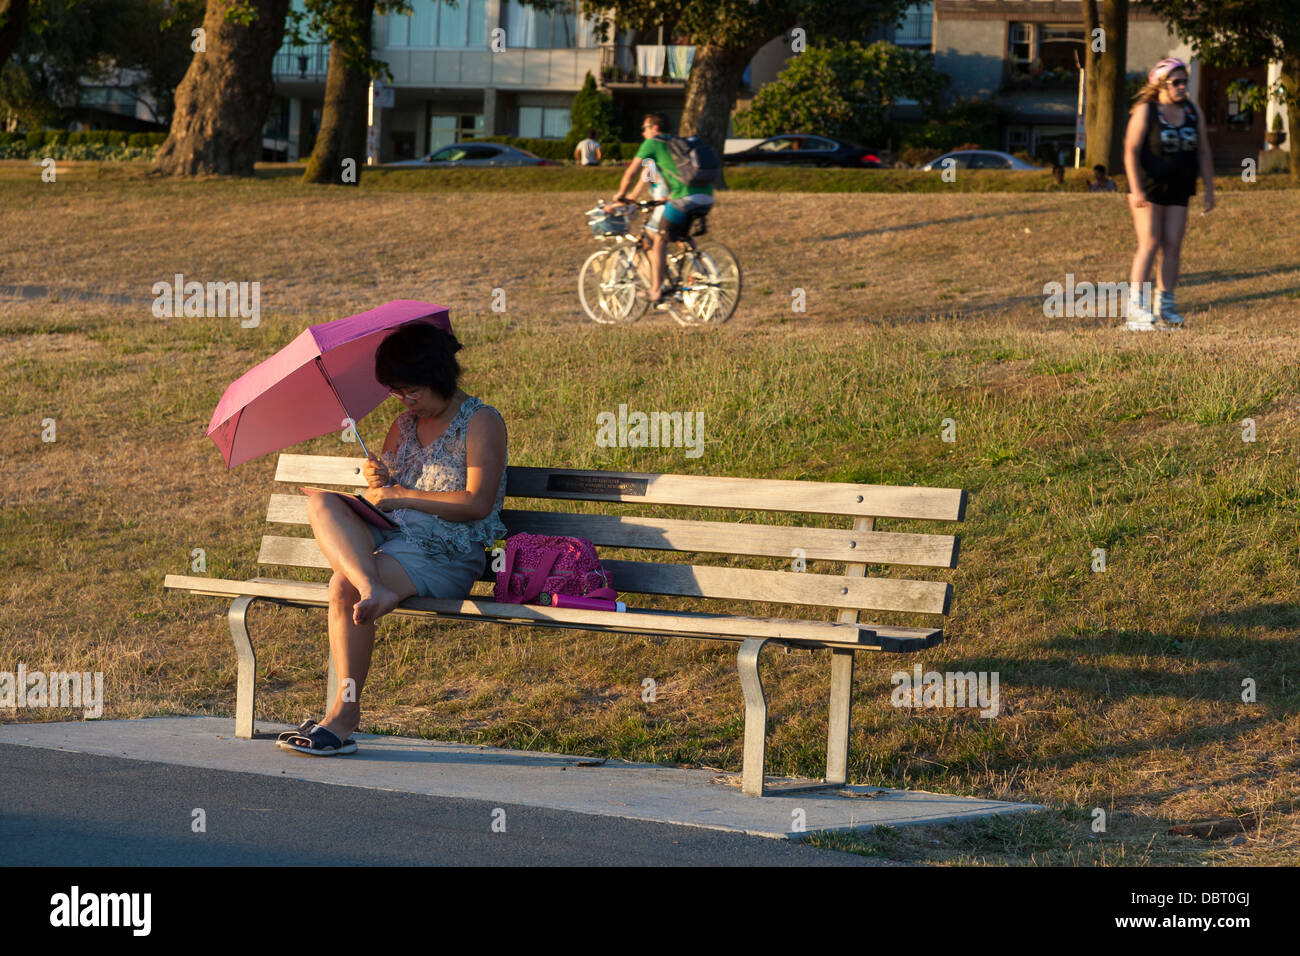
{"x":670,"y":221}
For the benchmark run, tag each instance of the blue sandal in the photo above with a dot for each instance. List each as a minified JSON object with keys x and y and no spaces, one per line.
{"x":303,"y":729}
{"x":318,"y":742}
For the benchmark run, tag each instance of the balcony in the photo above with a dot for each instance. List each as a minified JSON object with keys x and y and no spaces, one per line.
{"x":310,"y":62}
{"x":625,"y":66}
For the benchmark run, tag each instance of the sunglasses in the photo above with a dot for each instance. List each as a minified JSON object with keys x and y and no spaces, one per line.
{"x":1176,"y":82}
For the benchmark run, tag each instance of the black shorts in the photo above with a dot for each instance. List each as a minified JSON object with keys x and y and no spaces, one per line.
{"x":1170,"y":194}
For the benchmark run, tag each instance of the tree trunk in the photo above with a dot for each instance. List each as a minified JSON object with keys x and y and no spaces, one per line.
{"x":1091,"y":95}
{"x":13,"y":18}
{"x":342,"y":133}
{"x":1106,"y":117}
{"x":223,"y":100}
{"x":711,"y":91}
{"x":1291,"y":83}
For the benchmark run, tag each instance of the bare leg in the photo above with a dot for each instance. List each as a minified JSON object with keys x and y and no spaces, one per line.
{"x":1148,"y":223}
{"x":658,"y":261}
{"x":352,"y":644}
{"x":1171,"y":245}
{"x":346,"y":542}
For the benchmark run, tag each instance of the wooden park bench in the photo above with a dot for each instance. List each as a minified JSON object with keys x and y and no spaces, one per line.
{"x":831,"y":604}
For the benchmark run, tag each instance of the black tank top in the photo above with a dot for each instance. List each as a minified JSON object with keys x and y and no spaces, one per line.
{"x":1168,"y":156}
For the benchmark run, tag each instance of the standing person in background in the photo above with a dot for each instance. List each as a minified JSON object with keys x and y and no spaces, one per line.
{"x":1164,"y":150}
{"x":587,"y":152}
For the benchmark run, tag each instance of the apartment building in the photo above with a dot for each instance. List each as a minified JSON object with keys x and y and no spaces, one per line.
{"x":1025,"y":56}
{"x":497,"y":67}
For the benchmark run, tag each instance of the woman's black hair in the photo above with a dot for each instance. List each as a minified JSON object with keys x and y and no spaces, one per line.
{"x":419,"y":354}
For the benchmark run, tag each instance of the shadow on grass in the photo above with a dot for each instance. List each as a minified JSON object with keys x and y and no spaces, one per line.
{"x":905,"y":227}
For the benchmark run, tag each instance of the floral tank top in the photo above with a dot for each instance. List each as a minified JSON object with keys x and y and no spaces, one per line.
{"x":440,"y":467}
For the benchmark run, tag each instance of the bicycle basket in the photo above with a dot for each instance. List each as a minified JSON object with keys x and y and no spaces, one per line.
{"x":607,"y":224}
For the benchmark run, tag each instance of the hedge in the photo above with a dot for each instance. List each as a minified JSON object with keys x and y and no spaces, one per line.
{"x":557,"y":150}
{"x":99,"y":137}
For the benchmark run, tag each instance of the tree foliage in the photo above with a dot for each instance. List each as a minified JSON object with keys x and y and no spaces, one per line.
{"x":844,"y":90}
{"x":727,"y":34}
{"x":1246,"y":33}
{"x":141,"y":46}
{"x":596,"y":111}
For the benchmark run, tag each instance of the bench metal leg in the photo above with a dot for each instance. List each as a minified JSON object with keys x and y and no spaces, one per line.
{"x":837,"y":746}
{"x":755,"y":715}
{"x":246,"y":687}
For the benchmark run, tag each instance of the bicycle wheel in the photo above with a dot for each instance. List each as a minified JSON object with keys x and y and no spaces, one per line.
{"x":711,"y":283}
{"x":621,"y":277}
{"x":589,"y":290}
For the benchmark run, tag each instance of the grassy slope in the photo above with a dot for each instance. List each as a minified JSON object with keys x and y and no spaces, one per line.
{"x":1119,"y":690}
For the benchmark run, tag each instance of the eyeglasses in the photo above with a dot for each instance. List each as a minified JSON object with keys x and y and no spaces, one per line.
{"x":410,"y":391}
{"x":1177,"y":82}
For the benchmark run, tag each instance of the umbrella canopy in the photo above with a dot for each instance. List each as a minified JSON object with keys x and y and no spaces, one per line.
{"x":307,"y":388}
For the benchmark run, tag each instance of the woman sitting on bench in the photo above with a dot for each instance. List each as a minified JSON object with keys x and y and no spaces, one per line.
{"x":441,"y":476}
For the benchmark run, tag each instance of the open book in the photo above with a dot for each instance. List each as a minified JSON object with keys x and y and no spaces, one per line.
{"x":367,"y":512}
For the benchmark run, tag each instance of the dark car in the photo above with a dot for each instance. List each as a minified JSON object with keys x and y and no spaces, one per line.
{"x":476,"y":154}
{"x":801,"y":150}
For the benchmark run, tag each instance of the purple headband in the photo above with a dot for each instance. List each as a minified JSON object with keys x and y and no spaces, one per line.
{"x":1164,"y":68}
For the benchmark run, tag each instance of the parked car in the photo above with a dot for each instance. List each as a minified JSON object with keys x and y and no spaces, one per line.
{"x":981,"y":159}
{"x":474,"y":155}
{"x":801,"y":150}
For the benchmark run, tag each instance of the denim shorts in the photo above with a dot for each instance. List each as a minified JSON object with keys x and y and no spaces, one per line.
{"x":435,"y":576}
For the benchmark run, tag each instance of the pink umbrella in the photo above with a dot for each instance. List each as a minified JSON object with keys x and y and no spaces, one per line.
{"x":307,"y":388}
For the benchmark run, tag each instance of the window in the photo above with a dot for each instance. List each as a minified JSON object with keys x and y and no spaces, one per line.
{"x":1021,"y":51}
{"x":432,"y":23}
{"x":561,"y":29}
{"x":1057,"y":47}
{"x":816,"y":143}
{"x":988,"y":161}
{"x":447,"y":128}
{"x":915,"y":27}
{"x":544,"y":122}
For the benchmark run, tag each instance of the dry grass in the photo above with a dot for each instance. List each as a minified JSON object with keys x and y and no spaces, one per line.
{"x":1120,"y":690}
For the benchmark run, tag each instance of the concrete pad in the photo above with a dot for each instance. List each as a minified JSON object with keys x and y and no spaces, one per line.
{"x":700,"y":798}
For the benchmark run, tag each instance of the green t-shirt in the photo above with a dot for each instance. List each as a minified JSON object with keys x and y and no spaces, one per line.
{"x":656,"y":148}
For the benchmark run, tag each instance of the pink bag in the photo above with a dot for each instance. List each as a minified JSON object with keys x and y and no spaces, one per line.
{"x":556,"y":565}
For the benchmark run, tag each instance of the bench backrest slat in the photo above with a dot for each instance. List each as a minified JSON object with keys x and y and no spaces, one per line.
{"x":732,"y":584}
{"x":748,"y":494}
{"x":710,"y":537}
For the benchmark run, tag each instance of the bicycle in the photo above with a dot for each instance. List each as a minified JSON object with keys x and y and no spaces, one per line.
{"x":704,"y":278}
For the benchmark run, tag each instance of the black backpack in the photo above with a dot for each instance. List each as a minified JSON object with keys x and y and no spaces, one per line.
{"x":697,"y":164}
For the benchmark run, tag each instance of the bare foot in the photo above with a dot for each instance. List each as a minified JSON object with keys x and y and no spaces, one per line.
{"x":343,"y":725}
{"x":371,"y":607}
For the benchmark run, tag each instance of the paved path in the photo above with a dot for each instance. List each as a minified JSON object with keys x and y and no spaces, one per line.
{"x":398,"y":800}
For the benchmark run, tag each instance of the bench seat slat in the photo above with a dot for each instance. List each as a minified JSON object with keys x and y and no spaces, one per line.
{"x":652,"y":622}
{"x":708,"y":537}
{"x":685,"y":580}
{"x":757,"y":494}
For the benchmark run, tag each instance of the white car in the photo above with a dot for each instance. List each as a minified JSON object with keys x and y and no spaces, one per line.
{"x":982,"y":159}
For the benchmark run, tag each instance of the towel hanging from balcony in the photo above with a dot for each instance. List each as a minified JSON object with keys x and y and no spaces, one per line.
{"x":680,"y":58}
{"x":650,"y":60}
